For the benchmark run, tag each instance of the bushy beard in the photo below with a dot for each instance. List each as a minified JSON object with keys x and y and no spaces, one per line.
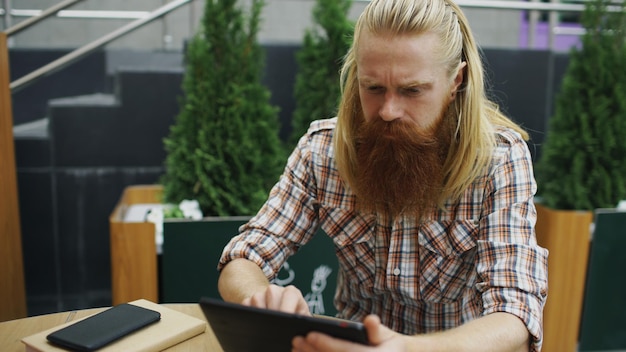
{"x":400,"y":166}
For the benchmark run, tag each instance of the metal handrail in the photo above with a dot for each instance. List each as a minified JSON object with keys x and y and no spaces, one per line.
{"x":492,"y":4}
{"x":523,"y":5}
{"x":90,"y":14}
{"x":88,"y":48}
{"x":44,"y":14}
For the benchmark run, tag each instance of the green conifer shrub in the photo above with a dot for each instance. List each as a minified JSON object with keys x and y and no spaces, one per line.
{"x":317,"y":90}
{"x":582,"y":165}
{"x":224,"y":148}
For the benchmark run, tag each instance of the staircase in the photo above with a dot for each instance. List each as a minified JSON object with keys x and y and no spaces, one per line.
{"x":72,"y":166}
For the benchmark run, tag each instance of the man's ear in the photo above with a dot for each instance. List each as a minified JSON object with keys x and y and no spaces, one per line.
{"x":458,"y":79}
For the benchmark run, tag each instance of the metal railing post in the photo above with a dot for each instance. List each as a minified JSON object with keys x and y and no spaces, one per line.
{"x":553,"y":20}
{"x":7,"y":13}
{"x":8,"y":20}
{"x":533,"y":19}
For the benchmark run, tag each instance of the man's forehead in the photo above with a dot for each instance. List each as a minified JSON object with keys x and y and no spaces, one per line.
{"x":408,"y":81}
{"x":407,"y":56}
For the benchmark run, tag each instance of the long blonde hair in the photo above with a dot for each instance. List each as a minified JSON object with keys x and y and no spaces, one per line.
{"x":471,"y":150}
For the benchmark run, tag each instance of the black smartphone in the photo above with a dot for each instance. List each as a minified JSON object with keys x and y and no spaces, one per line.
{"x":103,"y":328}
{"x":250,"y":329}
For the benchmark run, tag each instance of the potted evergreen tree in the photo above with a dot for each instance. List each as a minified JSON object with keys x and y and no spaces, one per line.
{"x":581,"y":167}
{"x":223,"y":151}
{"x":317,"y":89}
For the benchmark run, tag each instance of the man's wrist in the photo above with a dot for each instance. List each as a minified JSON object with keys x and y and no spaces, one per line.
{"x":421,"y":343}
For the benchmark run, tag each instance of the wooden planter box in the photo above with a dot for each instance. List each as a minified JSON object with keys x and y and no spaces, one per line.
{"x":134,"y":270}
{"x":567,"y":235}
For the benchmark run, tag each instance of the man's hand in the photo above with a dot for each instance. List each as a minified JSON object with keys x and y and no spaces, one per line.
{"x":380,"y":337}
{"x":242,"y":281}
{"x":286,"y":299}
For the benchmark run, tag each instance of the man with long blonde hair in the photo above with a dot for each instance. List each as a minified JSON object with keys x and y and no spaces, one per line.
{"x":426,"y":189}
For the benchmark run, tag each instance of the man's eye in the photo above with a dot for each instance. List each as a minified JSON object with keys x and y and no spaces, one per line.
{"x":412,"y":90}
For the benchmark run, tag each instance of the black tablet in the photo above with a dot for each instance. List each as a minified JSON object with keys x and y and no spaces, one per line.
{"x":240,"y":328}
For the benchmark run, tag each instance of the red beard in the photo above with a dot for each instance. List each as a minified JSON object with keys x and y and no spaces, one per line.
{"x":400,"y":167}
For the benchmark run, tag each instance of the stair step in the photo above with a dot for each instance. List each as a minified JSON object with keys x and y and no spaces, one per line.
{"x":98,"y":99}
{"x":34,"y":129}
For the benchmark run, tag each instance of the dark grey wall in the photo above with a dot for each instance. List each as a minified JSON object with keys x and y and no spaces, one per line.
{"x":86,"y":76}
{"x":71,"y":175}
{"x":105,"y":132}
{"x":521,"y":81}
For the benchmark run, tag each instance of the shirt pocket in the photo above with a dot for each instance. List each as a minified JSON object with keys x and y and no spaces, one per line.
{"x":353,"y":236}
{"x":447,"y":251}
{"x":346,"y":227}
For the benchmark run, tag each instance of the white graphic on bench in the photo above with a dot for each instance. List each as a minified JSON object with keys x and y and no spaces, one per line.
{"x":314,"y":298}
{"x":291,"y":275}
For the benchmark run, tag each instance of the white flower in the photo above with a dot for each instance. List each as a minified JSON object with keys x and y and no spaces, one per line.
{"x":155,"y":215}
{"x":191,"y":209}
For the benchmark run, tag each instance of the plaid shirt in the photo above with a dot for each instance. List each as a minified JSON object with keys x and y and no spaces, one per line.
{"x":477,"y":257}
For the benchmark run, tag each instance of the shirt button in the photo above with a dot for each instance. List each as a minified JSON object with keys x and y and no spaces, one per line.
{"x":396,"y":271}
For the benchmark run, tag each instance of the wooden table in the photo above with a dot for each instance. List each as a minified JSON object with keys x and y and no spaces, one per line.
{"x":12,"y":332}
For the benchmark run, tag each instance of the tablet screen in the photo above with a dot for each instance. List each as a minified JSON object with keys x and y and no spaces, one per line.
{"x":242,"y":328}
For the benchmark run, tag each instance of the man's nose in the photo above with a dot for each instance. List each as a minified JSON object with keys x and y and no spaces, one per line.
{"x":391,"y":109}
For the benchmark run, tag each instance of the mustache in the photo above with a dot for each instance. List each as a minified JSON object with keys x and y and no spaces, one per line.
{"x":397,"y":134}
